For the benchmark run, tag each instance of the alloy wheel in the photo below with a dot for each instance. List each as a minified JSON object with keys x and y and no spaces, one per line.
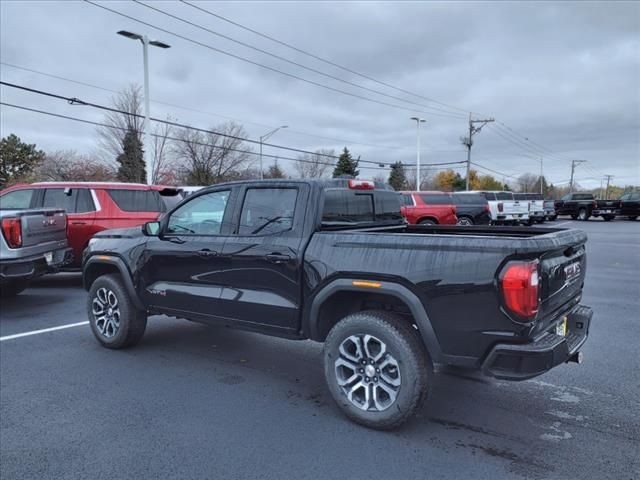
{"x":367,"y":373}
{"x":106,"y":312}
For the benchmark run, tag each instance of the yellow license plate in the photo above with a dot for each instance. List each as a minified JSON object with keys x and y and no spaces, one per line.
{"x":561,"y":328}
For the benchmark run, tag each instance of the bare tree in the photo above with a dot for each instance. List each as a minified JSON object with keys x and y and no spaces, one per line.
{"x":164,"y":171}
{"x":211,"y":157}
{"x":315,"y":165}
{"x":528,"y":182}
{"x":69,"y":166}
{"x":112,"y":137}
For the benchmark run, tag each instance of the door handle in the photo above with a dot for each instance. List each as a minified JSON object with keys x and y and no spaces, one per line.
{"x":78,"y":223}
{"x":206,"y":253}
{"x":277,"y":258}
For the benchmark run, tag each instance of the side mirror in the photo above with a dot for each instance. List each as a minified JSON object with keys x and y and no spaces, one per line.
{"x":151,"y":229}
{"x":67,"y":192}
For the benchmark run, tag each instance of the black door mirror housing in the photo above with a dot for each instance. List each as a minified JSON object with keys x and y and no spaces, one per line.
{"x":151,"y":229}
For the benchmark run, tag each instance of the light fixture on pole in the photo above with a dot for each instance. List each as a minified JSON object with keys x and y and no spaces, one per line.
{"x":262,"y":139}
{"x":145,"y":57}
{"x":418,"y":122}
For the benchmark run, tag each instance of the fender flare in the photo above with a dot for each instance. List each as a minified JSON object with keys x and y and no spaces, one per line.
{"x":124,"y":273}
{"x":388,"y":288}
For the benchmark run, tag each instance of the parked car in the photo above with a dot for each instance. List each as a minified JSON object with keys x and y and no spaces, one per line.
{"x":335,"y":262}
{"x":92,"y":206}
{"x":535,"y":203}
{"x":505,"y":210}
{"x":630,"y":205}
{"x":32,"y":243}
{"x":471,"y":208}
{"x":550,"y":210}
{"x":428,"y":208}
{"x":582,"y":206}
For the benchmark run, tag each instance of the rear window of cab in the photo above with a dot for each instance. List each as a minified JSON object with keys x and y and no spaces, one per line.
{"x":355,"y":206}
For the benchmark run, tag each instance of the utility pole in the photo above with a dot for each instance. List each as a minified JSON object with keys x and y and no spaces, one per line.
{"x":606,"y":194}
{"x":541,"y":176}
{"x":468,"y":141}
{"x":418,"y":122}
{"x":573,"y":169}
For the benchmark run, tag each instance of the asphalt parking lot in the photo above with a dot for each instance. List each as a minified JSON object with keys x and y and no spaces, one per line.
{"x":198,"y":402}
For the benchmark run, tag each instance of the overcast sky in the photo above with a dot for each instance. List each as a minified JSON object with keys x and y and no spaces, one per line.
{"x":562,"y":80}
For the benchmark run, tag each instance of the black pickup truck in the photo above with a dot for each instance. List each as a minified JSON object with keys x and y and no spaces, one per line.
{"x":334,"y":261}
{"x":581,"y":206}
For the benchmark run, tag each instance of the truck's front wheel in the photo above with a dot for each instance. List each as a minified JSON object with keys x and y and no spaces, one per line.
{"x":377,"y":369}
{"x":115,"y":321}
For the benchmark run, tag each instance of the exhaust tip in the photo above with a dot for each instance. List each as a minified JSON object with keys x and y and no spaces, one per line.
{"x":577,"y":357}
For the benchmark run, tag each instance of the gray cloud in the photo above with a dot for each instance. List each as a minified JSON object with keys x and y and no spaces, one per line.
{"x":566,"y":75}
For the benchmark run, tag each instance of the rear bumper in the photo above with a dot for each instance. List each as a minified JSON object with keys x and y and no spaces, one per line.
{"x":606,"y":211}
{"x":510,"y":361}
{"x":34,"y":266}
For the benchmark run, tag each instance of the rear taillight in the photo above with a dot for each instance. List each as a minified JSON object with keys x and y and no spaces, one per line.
{"x":12,"y":231}
{"x":519,"y":282}
{"x":500,"y":207}
{"x":487,"y":208}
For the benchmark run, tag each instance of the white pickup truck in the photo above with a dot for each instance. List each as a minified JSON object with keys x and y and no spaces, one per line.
{"x":536,"y":206}
{"x":32,"y":243}
{"x":505,"y":209}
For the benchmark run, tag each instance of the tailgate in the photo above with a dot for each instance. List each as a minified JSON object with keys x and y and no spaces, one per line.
{"x":608,"y":204}
{"x":562,"y":273}
{"x":43,"y":226}
{"x":516,"y":206}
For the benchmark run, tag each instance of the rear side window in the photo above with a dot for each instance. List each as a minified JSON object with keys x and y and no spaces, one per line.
{"x":17,"y":199}
{"x":387,"y":205}
{"x":73,"y":200}
{"x":435,"y":199}
{"x":469,"y":199}
{"x":267,"y":211}
{"x":347,"y":206}
{"x":137,"y":200}
{"x":407,"y":199}
{"x":504,"y":196}
{"x":490,"y":196}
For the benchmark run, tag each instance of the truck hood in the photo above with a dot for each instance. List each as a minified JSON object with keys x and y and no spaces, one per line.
{"x":133,"y":232}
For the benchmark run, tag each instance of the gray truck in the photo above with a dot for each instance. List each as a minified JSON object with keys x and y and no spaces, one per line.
{"x":32,"y":243}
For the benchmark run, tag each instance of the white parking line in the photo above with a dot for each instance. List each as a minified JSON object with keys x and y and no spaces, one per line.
{"x":44,"y":330}
{"x":558,"y":224}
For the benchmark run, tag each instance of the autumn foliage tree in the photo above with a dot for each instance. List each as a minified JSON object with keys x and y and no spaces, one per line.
{"x":18,"y":160}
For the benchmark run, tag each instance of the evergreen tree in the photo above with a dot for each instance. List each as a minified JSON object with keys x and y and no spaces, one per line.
{"x":132,"y":165}
{"x":274,"y":171}
{"x":17,"y":160}
{"x":398,"y":177}
{"x":346,"y":165}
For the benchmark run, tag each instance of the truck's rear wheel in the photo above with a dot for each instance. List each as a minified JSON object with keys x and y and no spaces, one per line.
{"x":583,"y":215}
{"x":14,"y":288}
{"x":608,"y":218}
{"x":426,"y":221}
{"x":114,"y":319}
{"x":377,"y":369}
{"x":465,"y":221}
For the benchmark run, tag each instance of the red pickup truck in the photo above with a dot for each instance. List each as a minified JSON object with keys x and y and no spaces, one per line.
{"x":93,"y":206}
{"x":428,"y":208}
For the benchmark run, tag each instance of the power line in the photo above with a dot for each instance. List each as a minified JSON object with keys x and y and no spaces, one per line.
{"x":195,"y":110}
{"x":328,"y":62}
{"x":292,"y":62}
{"x":550,"y":152}
{"x":494,"y":171}
{"x":238,"y":57}
{"x":77,"y":101}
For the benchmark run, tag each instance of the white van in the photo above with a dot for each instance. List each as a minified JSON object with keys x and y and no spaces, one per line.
{"x":505,"y":208}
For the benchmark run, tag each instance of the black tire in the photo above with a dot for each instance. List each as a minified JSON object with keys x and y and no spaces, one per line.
{"x":583,"y":215}
{"x":553,"y":218}
{"x":608,"y":218}
{"x":632,"y":217}
{"x":574,"y":217}
{"x":14,"y":288}
{"x":403,"y":344}
{"x":426,"y":222}
{"x":132,"y":322}
{"x":465,"y":221}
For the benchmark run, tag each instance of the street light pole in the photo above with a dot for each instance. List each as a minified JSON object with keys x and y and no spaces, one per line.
{"x":262,"y":139}
{"x":147,"y":110}
{"x":418,"y":122}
